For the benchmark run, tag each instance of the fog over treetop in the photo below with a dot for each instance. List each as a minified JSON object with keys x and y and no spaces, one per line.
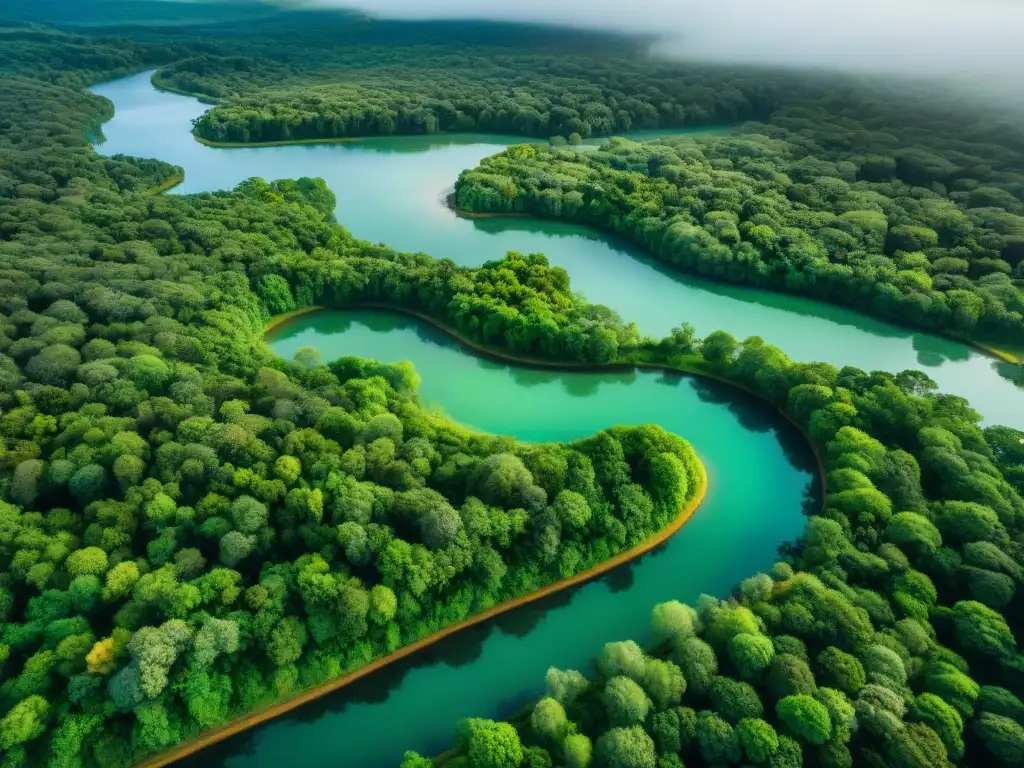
{"x":920,"y":37}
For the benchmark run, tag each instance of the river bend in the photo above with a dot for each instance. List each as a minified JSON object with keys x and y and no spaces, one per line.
{"x":391,"y":190}
{"x":760,"y":469}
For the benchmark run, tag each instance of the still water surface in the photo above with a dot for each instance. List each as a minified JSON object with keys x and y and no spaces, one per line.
{"x":391,"y":190}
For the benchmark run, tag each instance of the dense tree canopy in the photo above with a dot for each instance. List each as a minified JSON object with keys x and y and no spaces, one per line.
{"x":454,"y":91}
{"x":871,"y":643}
{"x":813,"y":202}
{"x":191,"y":527}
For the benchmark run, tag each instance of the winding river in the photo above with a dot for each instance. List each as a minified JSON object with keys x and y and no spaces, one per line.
{"x":760,"y":474}
{"x":760,"y":469}
{"x":391,"y":190}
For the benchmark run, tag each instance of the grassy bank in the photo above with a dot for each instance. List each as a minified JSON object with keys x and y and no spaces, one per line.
{"x":285,"y":317}
{"x":1006,"y":354}
{"x":169,"y":183}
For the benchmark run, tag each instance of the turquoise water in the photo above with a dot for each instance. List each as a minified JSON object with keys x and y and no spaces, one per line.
{"x":760,"y":475}
{"x":391,"y":190}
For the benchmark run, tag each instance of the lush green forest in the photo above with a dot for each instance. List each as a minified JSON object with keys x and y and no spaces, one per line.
{"x":904,"y":203}
{"x":490,"y":91}
{"x":923,"y":228}
{"x":885,"y":637}
{"x":191,"y":527}
{"x":299,"y":86}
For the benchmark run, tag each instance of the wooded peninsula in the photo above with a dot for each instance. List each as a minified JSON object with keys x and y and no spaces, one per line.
{"x":193,"y":528}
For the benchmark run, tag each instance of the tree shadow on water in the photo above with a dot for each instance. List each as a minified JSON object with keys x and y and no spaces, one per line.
{"x":464,"y":648}
{"x":531,"y":377}
{"x":1011,"y":372}
{"x":583,"y":384}
{"x":429,"y":335}
{"x":376,"y":320}
{"x":797,"y":449}
{"x":933,"y":351}
{"x":242,"y":745}
{"x":459,"y":650}
{"x":754,"y":415}
{"x":814,"y":498}
{"x":621,"y":579}
{"x":500,"y":225}
{"x":523,"y":620}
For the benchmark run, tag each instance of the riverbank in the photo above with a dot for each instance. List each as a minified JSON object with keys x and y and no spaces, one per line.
{"x":1003,"y":353}
{"x":285,"y":317}
{"x":1006,"y":354}
{"x":250,"y":720}
{"x":588,"y":145}
{"x":179,"y":92}
{"x":246,"y":722}
{"x":348,"y":140}
{"x":286,"y":143}
{"x":448,"y":199}
{"x":169,"y":183}
{"x":695,"y":365}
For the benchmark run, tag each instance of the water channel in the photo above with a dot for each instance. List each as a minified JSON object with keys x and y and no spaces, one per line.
{"x":391,"y":190}
{"x":761,"y":472}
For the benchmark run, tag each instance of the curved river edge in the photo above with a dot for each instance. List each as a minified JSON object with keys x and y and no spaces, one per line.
{"x":1014,"y":356}
{"x":209,"y":101}
{"x":250,"y":720}
{"x":245,"y":722}
{"x":1006,"y":354}
{"x":526,"y":361}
